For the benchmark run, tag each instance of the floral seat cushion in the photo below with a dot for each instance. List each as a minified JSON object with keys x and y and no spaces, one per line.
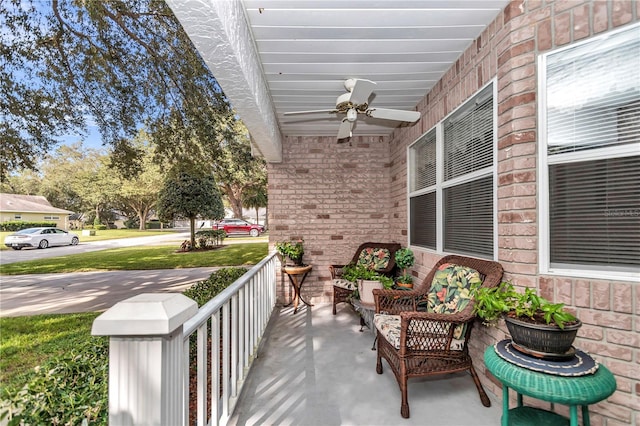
{"x":342,"y":283}
{"x":450,"y":292}
{"x":374,"y":258}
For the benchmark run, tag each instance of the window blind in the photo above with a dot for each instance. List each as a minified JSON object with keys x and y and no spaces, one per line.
{"x":593,"y":93}
{"x":423,"y":158}
{"x":422,"y":220}
{"x":468,"y":218}
{"x":468,"y":137}
{"x":595,"y":213}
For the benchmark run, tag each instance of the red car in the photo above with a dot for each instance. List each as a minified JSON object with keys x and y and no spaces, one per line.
{"x":239,"y":227}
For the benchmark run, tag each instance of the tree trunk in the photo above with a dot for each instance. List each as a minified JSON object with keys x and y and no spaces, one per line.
{"x":192,"y":225}
{"x":142,"y":216}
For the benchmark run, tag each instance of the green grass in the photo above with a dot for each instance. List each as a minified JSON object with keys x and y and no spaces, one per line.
{"x":136,"y":258}
{"x":26,"y":342}
{"x":107,"y":234}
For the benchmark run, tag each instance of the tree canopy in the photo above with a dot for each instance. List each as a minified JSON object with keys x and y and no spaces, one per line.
{"x":188,"y":195}
{"x":118,"y":64}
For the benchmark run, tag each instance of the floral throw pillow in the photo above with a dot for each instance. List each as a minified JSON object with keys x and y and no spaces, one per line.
{"x":374,"y":258}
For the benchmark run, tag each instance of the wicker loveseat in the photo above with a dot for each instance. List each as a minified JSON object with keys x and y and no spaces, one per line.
{"x":426,"y":331}
{"x":378,"y":256}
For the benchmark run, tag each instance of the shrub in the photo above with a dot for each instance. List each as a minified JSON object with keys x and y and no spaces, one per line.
{"x":100,"y":227}
{"x":17,"y":225}
{"x":205,"y":290}
{"x":210,"y":238}
{"x":71,"y":389}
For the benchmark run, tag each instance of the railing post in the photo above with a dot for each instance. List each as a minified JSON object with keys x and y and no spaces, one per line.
{"x":146,"y":358}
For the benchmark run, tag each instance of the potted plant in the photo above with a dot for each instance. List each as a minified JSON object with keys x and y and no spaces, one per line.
{"x":405,"y":260}
{"x":537,"y":326}
{"x":367,"y":280}
{"x":292,"y":250}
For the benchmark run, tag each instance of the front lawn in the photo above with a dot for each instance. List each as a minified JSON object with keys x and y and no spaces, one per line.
{"x":26,"y":342}
{"x":142,"y":258}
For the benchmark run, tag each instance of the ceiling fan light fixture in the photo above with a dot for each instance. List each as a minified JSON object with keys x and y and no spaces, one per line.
{"x":352,"y":114}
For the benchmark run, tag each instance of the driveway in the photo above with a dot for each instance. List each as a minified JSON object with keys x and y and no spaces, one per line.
{"x":22,"y":295}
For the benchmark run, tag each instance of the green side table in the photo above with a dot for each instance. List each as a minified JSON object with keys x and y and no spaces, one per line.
{"x":571,"y":391}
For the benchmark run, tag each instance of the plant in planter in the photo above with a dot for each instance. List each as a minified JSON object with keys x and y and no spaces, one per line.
{"x":292,"y":250}
{"x":537,"y":326}
{"x":367,"y":279}
{"x":405,"y":260}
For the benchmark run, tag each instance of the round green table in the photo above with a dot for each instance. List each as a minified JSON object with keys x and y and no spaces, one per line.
{"x":571,"y":391}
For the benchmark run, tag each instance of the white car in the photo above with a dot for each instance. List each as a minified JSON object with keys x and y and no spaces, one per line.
{"x":41,"y":238}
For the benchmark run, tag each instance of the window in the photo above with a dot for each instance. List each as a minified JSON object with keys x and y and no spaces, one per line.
{"x":17,"y":216}
{"x":51,"y":217}
{"x":590,"y":145}
{"x":451,"y":181}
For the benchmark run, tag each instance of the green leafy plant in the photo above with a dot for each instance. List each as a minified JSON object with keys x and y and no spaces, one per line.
{"x":70,"y":389}
{"x":405,"y":259}
{"x":353,"y":272}
{"x":294,"y":250}
{"x":491,"y":304}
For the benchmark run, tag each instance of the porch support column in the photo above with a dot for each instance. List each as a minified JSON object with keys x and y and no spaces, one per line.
{"x":146,"y":358}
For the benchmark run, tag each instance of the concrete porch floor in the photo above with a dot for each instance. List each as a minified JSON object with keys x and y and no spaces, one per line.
{"x":314,"y":368}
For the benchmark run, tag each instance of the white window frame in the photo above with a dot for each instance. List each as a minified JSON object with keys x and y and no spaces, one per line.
{"x":544,"y":161}
{"x":441,"y":184}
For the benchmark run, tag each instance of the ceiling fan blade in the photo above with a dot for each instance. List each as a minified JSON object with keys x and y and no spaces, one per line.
{"x":345,"y":129}
{"x":393,"y":114}
{"x":315,"y":111}
{"x":361,"y":91}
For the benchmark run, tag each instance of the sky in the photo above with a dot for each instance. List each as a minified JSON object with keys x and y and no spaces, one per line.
{"x":93,"y":139}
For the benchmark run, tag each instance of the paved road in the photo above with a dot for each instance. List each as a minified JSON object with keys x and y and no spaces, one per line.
{"x":10,"y":256}
{"x":88,"y":291}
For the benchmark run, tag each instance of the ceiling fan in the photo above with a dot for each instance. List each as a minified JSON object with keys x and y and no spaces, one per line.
{"x":355,"y":102}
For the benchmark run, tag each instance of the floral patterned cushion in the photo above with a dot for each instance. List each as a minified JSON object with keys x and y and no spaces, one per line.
{"x":374,"y":258}
{"x":450,"y":288}
{"x":342,"y":283}
{"x":389,"y":327}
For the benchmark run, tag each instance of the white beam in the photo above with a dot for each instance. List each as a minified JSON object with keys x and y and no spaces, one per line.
{"x":222,"y":35}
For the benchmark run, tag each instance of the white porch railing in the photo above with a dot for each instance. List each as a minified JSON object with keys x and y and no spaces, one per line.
{"x":149,"y":350}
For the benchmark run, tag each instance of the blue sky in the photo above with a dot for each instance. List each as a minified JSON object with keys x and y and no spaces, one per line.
{"x":93,"y":139}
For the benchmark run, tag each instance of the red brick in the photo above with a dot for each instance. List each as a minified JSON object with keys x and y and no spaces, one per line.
{"x":513,"y":9}
{"x":621,"y":13}
{"x":606,"y":319}
{"x":545,"y":38}
{"x":564,"y":292}
{"x":562,"y":29}
{"x":608,"y":350}
{"x":601,"y":295}
{"x":622,"y":297}
{"x":582,"y":294}
{"x":624,"y":369}
{"x":581,"y":22}
{"x":591,"y":332}
{"x":624,"y":338}
{"x":600,"y":16}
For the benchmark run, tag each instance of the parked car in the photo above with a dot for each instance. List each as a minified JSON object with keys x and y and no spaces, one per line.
{"x":41,"y":238}
{"x":239,"y":227}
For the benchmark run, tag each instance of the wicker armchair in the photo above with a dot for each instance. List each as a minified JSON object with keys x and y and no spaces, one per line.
{"x":342,"y":288}
{"x":425,"y":331}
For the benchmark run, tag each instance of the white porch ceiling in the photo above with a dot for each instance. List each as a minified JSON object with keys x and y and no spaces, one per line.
{"x":277,"y":56}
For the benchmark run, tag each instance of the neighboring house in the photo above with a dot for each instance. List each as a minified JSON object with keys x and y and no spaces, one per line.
{"x":527,"y":152}
{"x":32,"y":208}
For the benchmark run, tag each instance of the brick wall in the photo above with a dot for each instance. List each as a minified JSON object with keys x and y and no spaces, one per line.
{"x":337,"y":196}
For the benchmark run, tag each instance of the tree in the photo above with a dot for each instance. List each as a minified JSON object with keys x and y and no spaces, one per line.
{"x":255,"y":197}
{"x":139,"y":195}
{"x":237,"y":172}
{"x":188,"y":195}
{"x":121,"y":64}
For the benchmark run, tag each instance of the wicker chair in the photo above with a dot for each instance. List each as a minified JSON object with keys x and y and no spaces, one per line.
{"x":342,"y":289}
{"x":425,"y":331}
